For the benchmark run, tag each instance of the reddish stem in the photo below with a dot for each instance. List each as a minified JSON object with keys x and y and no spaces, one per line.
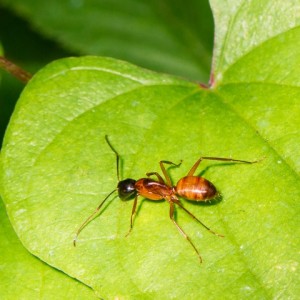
{"x":14,"y":70}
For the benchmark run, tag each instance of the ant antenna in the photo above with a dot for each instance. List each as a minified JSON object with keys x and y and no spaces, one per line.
{"x":90,"y":218}
{"x":117,"y":155}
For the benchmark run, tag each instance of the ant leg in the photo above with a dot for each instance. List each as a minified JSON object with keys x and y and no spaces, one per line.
{"x":160,"y":179}
{"x":190,"y":214}
{"x":90,"y":218}
{"x":195,"y":166}
{"x":161,"y":163}
{"x":181,"y":230}
{"x":133,"y":211}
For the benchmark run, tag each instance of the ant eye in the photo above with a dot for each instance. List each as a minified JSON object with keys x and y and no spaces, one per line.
{"x":126,"y":189}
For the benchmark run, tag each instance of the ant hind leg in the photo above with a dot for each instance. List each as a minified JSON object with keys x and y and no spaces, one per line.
{"x":191,"y":215}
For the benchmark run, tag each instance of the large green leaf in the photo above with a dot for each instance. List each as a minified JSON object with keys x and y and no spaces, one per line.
{"x":24,"y":276}
{"x":57,"y":167}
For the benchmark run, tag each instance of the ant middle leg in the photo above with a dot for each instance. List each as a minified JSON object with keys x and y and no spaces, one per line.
{"x":161,"y":163}
{"x":195,"y":166}
{"x":160,"y":179}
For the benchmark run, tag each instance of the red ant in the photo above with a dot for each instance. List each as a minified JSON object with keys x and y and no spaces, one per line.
{"x":190,"y":187}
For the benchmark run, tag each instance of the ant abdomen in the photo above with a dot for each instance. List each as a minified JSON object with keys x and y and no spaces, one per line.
{"x":196,"y":188}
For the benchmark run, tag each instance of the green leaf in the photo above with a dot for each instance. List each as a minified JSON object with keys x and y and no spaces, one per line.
{"x":170,"y":36}
{"x":244,"y":26}
{"x":24,"y":276}
{"x":57,"y":167}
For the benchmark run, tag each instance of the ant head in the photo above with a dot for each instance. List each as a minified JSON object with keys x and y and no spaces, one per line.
{"x":126,"y":189}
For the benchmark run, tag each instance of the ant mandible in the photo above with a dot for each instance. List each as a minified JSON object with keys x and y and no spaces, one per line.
{"x":190,"y":187}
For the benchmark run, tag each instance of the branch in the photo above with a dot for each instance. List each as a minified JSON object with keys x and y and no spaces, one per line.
{"x":14,"y":70}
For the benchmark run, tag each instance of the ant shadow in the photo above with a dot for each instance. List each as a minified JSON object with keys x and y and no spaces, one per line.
{"x":224,"y":164}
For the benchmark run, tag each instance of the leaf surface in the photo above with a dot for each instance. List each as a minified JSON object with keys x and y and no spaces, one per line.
{"x":33,"y":278}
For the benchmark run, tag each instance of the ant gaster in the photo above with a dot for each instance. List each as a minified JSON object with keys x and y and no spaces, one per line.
{"x":190,"y":187}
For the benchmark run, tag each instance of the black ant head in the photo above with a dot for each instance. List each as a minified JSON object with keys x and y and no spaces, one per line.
{"x":126,"y":189}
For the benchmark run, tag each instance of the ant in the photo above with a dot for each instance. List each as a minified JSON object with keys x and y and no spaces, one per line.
{"x":190,"y":187}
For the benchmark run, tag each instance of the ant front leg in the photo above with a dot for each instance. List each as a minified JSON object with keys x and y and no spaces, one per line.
{"x":133,"y":211}
{"x":195,"y":166}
